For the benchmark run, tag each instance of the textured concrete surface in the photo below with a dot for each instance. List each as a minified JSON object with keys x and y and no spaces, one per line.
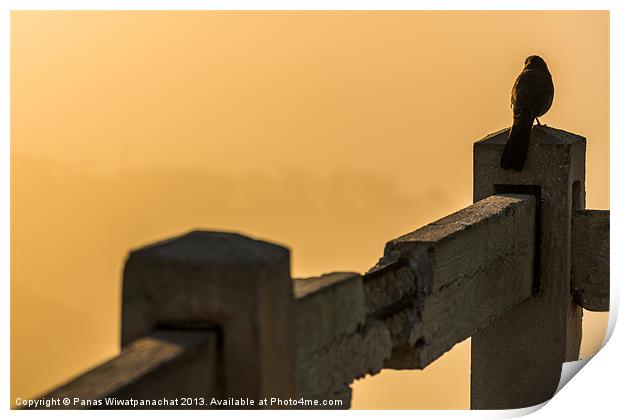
{"x":335,"y":343}
{"x":590,"y":259}
{"x":327,"y":308}
{"x":328,"y":372}
{"x":517,"y":360}
{"x":461,"y":271}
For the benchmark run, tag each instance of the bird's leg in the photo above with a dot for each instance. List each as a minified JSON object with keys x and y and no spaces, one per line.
{"x":537,"y":122}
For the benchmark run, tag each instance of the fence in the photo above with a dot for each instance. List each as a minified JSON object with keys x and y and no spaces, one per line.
{"x":213,"y":320}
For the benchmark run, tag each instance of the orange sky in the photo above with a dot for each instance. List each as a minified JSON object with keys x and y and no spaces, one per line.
{"x":331,"y":132}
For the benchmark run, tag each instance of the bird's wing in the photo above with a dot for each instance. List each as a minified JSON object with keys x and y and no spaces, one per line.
{"x":529,"y":93}
{"x":522,"y":92}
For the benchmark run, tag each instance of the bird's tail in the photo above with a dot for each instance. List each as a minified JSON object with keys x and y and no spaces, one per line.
{"x":515,"y":151}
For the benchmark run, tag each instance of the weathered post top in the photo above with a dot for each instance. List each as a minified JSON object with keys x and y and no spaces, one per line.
{"x":517,"y":360}
{"x":239,"y":284}
{"x":554,"y":158}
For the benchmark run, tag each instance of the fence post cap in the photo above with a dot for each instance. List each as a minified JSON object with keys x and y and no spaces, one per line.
{"x":212,"y":247}
{"x":541,"y":135}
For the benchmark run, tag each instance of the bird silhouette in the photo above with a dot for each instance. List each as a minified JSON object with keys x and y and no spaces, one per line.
{"x":532,"y":96}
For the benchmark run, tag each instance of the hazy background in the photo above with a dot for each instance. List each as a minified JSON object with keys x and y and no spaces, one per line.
{"x":330,"y":132}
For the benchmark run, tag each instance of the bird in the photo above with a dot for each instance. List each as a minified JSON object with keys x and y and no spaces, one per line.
{"x":532,"y":96}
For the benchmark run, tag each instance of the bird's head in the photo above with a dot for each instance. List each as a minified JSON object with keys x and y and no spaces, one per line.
{"x":535,"y":62}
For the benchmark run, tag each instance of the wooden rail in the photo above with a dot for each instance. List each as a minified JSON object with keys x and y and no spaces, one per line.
{"x":512,"y":271}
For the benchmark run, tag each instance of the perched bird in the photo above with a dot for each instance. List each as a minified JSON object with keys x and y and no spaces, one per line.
{"x":532,"y":95}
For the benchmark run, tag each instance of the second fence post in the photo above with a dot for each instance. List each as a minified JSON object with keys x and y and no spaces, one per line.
{"x":241,"y":285}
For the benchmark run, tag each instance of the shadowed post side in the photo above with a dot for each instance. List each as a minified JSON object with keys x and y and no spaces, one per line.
{"x":517,"y":360}
{"x":590,"y":259}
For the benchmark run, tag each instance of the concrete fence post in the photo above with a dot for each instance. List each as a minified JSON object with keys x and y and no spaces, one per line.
{"x":241,"y":285}
{"x":517,"y":361}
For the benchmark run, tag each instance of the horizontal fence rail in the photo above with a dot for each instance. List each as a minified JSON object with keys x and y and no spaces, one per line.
{"x":433,"y":288}
{"x":216,"y":315}
{"x":169,"y":363}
